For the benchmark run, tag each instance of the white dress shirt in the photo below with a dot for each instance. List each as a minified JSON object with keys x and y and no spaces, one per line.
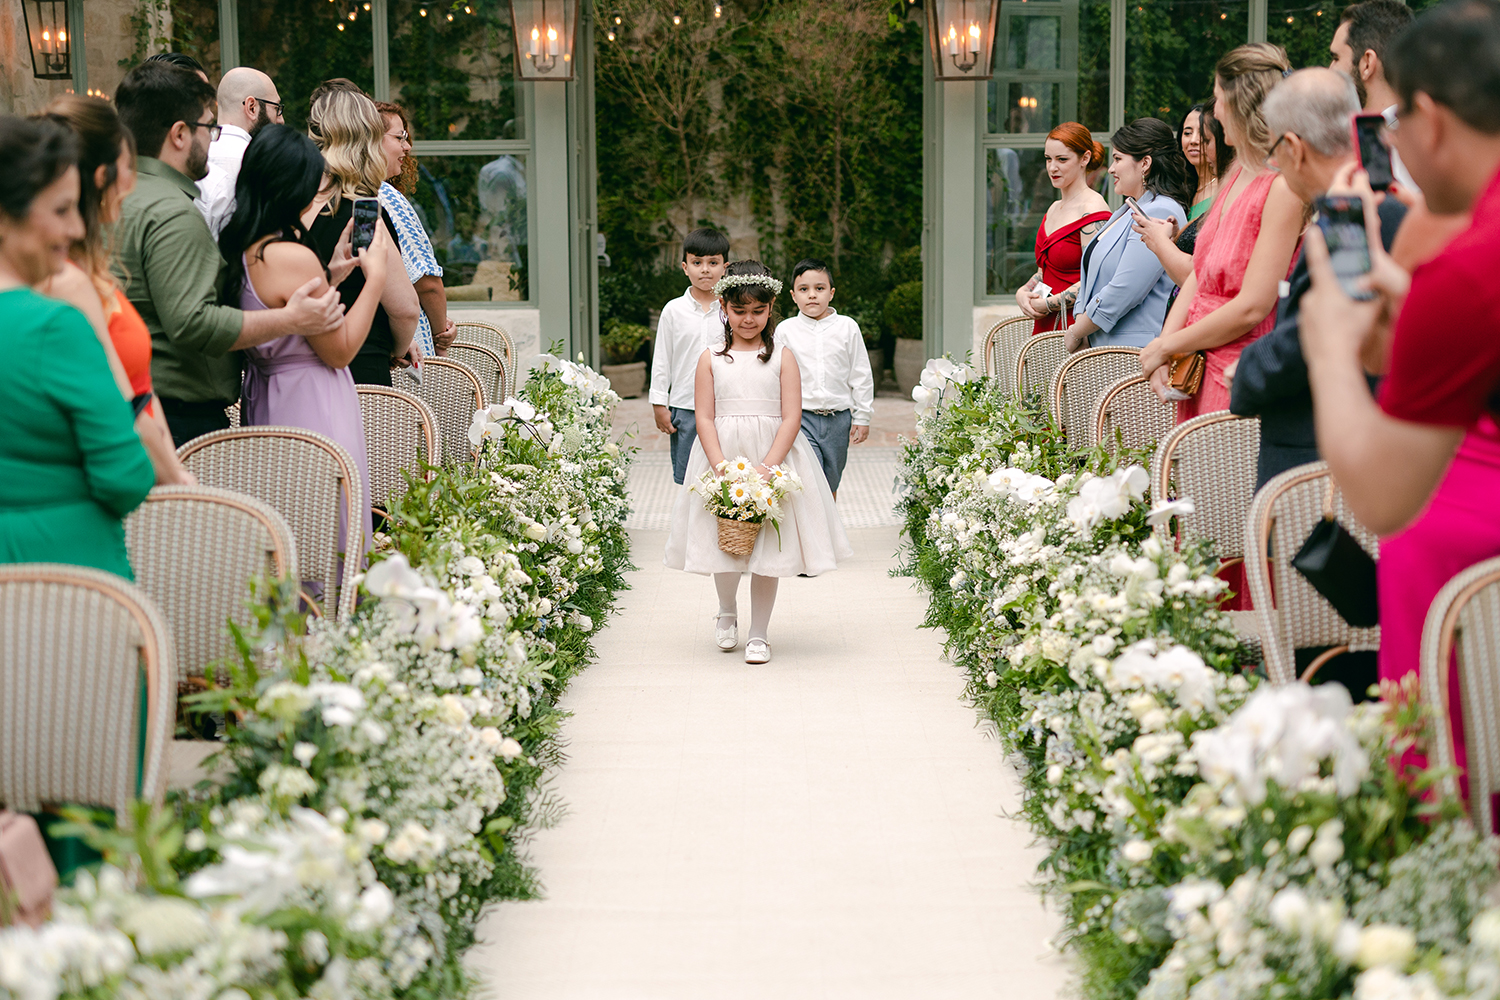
{"x":1398,"y":169}
{"x":684,"y":330}
{"x":834,"y":363}
{"x":216,"y":189}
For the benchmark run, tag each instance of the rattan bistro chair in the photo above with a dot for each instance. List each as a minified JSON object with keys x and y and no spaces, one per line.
{"x":487,"y":364}
{"x":1292,"y":614}
{"x":1210,"y":459}
{"x":453,"y":391}
{"x":1002,"y":344}
{"x":74,"y":646}
{"x":311,"y":481}
{"x":1079,"y":383}
{"x":195,"y":551}
{"x":496,"y":339}
{"x":1465,"y":620}
{"x":401,"y":436}
{"x":1132,"y":407}
{"x":1037,"y":363}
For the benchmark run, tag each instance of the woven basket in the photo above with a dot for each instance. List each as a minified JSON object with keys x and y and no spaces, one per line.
{"x":737,"y":537}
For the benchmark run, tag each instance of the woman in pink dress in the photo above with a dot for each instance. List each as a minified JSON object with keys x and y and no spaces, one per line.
{"x":1245,"y":246}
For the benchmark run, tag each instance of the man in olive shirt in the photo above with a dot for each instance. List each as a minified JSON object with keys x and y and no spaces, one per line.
{"x":169,"y":264}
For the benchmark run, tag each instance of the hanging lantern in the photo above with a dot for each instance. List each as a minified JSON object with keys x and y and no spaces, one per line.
{"x":962,"y":35}
{"x":51,"y":43}
{"x":545,"y":33}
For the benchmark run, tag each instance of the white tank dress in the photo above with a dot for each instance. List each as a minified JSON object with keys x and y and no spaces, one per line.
{"x":747,"y":415}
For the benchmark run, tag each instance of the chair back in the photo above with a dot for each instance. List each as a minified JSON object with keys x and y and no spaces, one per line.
{"x":311,"y":481}
{"x":1211,"y":460}
{"x":195,"y":550}
{"x":487,"y":364}
{"x":1080,"y":382}
{"x":1292,"y":614}
{"x":453,"y":391}
{"x":74,"y":646}
{"x":1001,"y":345}
{"x":1037,"y":363}
{"x":1465,"y":620}
{"x":497,"y":339}
{"x":401,"y":434}
{"x":1131,"y":406}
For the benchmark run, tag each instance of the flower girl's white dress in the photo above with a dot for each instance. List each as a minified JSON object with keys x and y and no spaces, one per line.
{"x":747,"y":415}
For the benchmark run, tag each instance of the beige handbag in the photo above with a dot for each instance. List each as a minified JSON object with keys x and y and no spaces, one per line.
{"x":27,"y":876}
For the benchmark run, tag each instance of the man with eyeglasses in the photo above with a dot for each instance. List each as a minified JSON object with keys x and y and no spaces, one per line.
{"x":169,"y":264}
{"x":247,"y":100}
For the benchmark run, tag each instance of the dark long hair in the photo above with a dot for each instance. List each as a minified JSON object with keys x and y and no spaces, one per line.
{"x":1209,"y":125}
{"x":1170,"y":175}
{"x":279,"y":178}
{"x":744,"y":295}
{"x":101,"y":137}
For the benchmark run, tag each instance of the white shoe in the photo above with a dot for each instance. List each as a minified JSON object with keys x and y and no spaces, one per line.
{"x":727,"y":638}
{"x":757,"y":651}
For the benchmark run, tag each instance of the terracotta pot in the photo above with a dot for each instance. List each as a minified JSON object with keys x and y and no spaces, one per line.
{"x":911,"y":358}
{"x":628,"y":380}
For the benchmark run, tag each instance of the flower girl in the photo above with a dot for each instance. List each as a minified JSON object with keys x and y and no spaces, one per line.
{"x":749,"y":406}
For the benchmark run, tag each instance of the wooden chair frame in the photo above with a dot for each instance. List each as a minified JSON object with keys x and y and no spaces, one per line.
{"x":496,"y":338}
{"x":1001,"y":344}
{"x":157,"y":661}
{"x":1075,"y":416}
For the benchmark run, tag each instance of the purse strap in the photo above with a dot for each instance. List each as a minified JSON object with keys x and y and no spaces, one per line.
{"x":1328,"y":496}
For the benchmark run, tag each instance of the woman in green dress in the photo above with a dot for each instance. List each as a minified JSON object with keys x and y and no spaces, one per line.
{"x":71,"y":464}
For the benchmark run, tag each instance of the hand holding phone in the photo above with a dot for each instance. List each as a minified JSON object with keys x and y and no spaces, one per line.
{"x":1342,"y":221}
{"x":1134,"y":206}
{"x":1374,"y":155}
{"x":366,"y":217}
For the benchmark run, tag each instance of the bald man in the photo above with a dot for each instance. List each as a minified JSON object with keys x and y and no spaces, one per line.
{"x":247,"y":100}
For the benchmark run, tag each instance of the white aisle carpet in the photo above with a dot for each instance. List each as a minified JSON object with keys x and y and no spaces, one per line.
{"x":829,"y":825}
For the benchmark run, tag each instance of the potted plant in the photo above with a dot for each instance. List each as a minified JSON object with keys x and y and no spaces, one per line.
{"x":903,"y":314}
{"x":625,"y":347}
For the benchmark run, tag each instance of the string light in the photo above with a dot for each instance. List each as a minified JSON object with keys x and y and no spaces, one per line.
{"x":610,"y":34}
{"x":718,"y":10}
{"x":351,"y":15}
{"x":367,"y":6}
{"x":341,"y":26}
{"x":677,"y":19}
{"x":423,"y":12}
{"x":450,"y":17}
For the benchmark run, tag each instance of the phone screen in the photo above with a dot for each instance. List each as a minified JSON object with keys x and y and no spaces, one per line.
{"x":366,"y":215}
{"x":1342,"y":220}
{"x":1374,"y":154}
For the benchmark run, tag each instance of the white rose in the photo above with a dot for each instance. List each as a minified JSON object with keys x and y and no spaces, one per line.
{"x":991,"y":679}
{"x":1485,"y":931}
{"x":1289,"y":910}
{"x":1137,"y":851}
{"x":1385,"y":944}
{"x":304,"y":752}
{"x":1298,"y":839}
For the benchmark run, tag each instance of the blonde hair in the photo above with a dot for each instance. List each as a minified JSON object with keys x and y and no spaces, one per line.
{"x":1246,"y":74}
{"x":348,"y":131}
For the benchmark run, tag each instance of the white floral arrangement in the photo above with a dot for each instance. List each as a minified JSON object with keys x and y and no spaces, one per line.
{"x":738,"y":491}
{"x":729,"y":281}
{"x":939,"y":377}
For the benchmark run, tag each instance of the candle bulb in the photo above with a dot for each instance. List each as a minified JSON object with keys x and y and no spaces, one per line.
{"x":952,"y":41}
{"x":551,"y":41}
{"x":536,"y":42}
{"x":973,"y":38}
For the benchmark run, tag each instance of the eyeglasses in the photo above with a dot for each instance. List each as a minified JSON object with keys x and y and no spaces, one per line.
{"x":213,"y":130}
{"x":404,"y":137}
{"x":270,"y":104}
{"x":1271,"y":153}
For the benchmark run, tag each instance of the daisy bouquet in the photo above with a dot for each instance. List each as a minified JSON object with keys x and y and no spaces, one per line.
{"x":743,"y":499}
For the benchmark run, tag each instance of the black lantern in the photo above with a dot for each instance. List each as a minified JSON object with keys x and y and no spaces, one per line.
{"x":962,"y":34}
{"x":51,"y":40}
{"x":545,"y":34}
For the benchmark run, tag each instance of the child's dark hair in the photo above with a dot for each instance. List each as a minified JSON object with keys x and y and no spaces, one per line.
{"x":811,"y":264}
{"x":705,"y":243}
{"x":744,"y":295}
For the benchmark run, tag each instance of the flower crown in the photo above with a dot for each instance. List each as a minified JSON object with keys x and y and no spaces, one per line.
{"x":729,"y":281}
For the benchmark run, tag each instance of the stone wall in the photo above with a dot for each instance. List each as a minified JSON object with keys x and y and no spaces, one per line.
{"x":110,"y":36}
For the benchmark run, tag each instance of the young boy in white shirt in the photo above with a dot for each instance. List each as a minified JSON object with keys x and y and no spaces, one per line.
{"x":688,"y":324}
{"x":838,"y":389}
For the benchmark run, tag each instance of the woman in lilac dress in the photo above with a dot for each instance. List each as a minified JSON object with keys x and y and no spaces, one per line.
{"x":296,"y":381}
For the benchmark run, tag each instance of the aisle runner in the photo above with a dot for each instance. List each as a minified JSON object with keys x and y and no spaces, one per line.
{"x":865,"y":497}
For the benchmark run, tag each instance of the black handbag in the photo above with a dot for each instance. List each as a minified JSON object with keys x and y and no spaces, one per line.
{"x":1340,"y":569}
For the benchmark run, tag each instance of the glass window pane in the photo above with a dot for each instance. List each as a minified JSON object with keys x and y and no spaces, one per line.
{"x":456,"y":77}
{"x":1171,"y":47}
{"x":195,"y":31}
{"x":301,"y":43}
{"x":1054,"y":55}
{"x":1304,"y":28}
{"x":474,"y":210}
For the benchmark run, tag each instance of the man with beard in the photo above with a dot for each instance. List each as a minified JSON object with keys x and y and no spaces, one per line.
{"x":247,"y":100}
{"x":169,"y":264}
{"x":1358,"y":50}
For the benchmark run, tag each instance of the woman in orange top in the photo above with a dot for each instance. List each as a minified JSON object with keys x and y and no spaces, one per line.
{"x":106,"y":166}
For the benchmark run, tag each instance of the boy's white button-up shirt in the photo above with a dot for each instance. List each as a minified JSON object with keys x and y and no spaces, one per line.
{"x":684,"y":330}
{"x":834,"y":363}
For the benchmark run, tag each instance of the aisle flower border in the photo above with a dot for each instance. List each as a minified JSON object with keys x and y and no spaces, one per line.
{"x":380,"y":777}
{"x":1207,"y":835}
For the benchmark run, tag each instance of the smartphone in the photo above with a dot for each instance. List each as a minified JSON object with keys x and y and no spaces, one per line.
{"x":1342,"y":220}
{"x":1134,"y":205}
{"x":1374,"y":154}
{"x":366,"y":217}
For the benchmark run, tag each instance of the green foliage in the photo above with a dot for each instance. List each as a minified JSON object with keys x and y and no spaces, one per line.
{"x":903,"y":310}
{"x":621,"y":341}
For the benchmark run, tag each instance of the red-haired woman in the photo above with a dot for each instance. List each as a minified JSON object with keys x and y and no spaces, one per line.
{"x":1072,"y":219}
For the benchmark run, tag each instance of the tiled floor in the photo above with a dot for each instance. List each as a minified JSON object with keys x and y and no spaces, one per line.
{"x":829,"y":825}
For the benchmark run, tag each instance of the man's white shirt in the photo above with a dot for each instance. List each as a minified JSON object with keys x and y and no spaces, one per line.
{"x":684,"y":330}
{"x":1398,"y":169}
{"x":216,"y":189}
{"x":834,"y":363}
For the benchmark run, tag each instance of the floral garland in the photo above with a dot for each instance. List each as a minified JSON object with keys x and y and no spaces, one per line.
{"x":729,"y":281}
{"x":1210,"y":836}
{"x":380,"y":779}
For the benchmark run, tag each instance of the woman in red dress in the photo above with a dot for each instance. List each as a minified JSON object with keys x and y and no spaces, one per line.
{"x":1245,"y":246}
{"x":1072,"y":219}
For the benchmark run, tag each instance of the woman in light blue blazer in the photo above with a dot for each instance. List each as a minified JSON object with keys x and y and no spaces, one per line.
{"x":1123,"y":294}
